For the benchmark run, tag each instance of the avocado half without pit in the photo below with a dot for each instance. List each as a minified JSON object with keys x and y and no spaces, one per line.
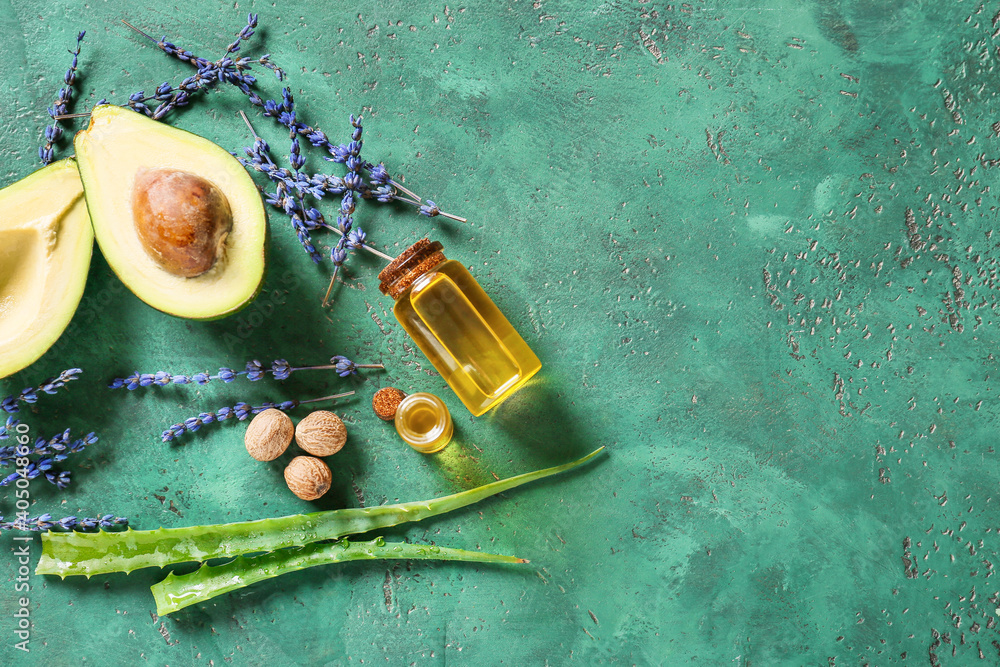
{"x":45,"y":246}
{"x":178,"y":218}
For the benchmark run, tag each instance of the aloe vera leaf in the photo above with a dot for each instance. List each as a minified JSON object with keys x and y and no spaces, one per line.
{"x":176,"y":592}
{"x":87,"y":554}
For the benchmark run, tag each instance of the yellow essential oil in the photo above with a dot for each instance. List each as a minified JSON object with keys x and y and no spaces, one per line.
{"x":424,"y":423}
{"x":462,"y":332}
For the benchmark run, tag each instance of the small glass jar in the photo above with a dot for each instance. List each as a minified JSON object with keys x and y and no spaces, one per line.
{"x":462,"y":332}
{"x":424,"y":423}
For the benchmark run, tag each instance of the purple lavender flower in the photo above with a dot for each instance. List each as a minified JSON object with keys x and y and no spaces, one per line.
{"x":379,"y":175}
{"x":36,"y":468}
{"x":344,"y":366}
{"x":356,"y":239}
{"x":281,"y":369}
{"x":340,"y":153}
{"x":11,"y":404}
{"x":8,"y":427}
{"x":429,"y":209}
{"x":255,"y":370}
{"x":383,"y":193}
{"x":42,"y":457}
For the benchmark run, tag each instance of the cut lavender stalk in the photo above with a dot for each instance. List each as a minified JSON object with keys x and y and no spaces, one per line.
{"x":254,"y":370}
{"x":240,"y":411}
{"x":60,"y":107}
{"x":45,"y":522}
{"x":11,"y":404}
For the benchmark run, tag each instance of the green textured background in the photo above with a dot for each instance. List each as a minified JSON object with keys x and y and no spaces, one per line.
{"x":696,"y":215}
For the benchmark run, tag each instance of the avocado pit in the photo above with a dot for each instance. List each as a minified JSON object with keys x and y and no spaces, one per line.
{"x":182,"y":220}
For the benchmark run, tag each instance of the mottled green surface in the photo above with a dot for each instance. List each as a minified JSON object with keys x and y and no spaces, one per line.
{"x":697,"y":216}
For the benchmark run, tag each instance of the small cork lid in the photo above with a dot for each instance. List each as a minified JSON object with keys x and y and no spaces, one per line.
{"x":415,"y":261}
{"x":385,"y":402}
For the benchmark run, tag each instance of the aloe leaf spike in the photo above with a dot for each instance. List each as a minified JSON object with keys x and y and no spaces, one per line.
{"x":87,"y":554}
{"x":209,"y":581}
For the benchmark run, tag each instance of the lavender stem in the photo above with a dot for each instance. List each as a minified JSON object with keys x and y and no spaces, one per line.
{"x":327,"y":398}
{"x":139,"y":31}
{"x":402,"y":189}
{"x":367,"y":247}
{"x":453,"y":217}
{"x":332,"y":366}
{"x":326,"y":297}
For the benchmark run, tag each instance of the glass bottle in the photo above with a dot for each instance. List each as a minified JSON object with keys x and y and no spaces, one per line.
{"x":424,"y":423}
{"x":462,"y":332}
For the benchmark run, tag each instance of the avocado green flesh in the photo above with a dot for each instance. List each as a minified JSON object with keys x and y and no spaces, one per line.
{"x":46,"y":243}
{"x":117,"y":145}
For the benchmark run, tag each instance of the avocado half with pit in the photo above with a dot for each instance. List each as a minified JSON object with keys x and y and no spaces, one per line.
{"x":45,"y":246}
{"x":177,"y":217}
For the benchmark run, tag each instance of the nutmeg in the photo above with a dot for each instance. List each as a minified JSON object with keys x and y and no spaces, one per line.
{"x":269,"y":435}
{"x":321,"y":433}
{"x":308,"y":477}
{"x":385,"y":401}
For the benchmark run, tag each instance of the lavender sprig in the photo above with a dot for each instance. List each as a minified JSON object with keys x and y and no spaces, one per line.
{"x":60,"y":107}
{"x":232,"y":69}
{"x":46,"y":522}
{"x":254,"y":370}
{"x":244,"y":34}
{"x":39,"y":467}
{"x":11,"y":404}
{"x":58,"y":447}
{"x":240,"y":411}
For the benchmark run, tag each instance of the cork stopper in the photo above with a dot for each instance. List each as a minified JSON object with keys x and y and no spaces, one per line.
{"x":385,"y":401}
{"x":415,"y":261}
